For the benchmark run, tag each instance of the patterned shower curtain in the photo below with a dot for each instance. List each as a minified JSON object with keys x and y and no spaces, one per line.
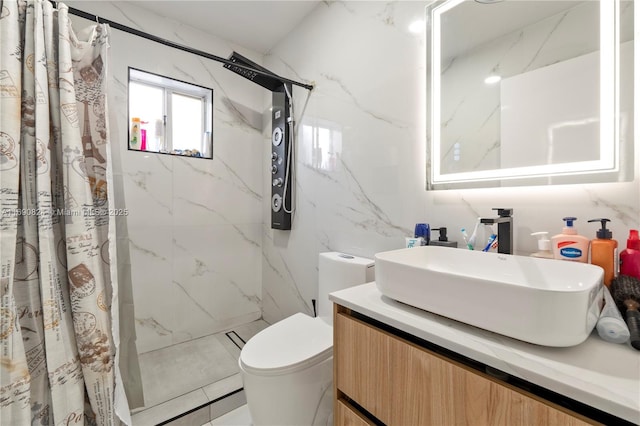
{"x":56,"y":343}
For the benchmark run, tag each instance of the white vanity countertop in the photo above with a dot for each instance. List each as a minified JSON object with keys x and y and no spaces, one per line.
{"x":597,"y":373}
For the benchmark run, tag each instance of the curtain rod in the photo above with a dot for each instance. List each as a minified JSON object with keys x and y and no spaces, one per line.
{"x":169,"y":43}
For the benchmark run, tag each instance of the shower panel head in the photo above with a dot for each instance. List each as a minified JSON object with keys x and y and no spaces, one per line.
{"x":281,"y":175}
{"x":271,"y":82}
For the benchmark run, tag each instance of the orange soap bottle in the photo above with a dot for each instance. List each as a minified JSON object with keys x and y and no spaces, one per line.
{"x":604,"y":251}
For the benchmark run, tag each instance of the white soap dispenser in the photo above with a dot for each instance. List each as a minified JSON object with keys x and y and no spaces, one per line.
{"x":544,"y":245}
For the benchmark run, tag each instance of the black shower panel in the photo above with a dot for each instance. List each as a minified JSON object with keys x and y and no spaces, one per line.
{"x":282,"y":163}
{"x":281,"y":176}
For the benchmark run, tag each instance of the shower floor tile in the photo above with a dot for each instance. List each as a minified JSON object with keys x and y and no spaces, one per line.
{"x":188,"y":375}
{"x":238,"y":417}
{"x":234,"y":340}
{"x":247,"y":331}
{"x":178,"y":369}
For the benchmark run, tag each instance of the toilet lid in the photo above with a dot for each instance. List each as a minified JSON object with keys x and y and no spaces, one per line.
{"x":292,"y":344}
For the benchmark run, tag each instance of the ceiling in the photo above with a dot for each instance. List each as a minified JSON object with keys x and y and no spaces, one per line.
{"x":258,"y":24}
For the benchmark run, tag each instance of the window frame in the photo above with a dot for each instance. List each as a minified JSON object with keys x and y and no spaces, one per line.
{"x":171,"y":86}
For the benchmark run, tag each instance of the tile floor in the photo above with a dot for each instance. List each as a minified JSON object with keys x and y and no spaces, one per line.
{"x":200,"y":377}
{"x":238,"y":417}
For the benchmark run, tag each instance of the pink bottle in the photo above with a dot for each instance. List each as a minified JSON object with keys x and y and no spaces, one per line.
{"x":630,"y":257}
{"x":143,"y":136}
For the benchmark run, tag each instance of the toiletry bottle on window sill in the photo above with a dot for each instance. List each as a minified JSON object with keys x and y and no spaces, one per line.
{"x":143,"y":135}
{"x":134,"y":137}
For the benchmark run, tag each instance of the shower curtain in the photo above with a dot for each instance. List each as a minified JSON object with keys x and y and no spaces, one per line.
{"x":58,"y":331}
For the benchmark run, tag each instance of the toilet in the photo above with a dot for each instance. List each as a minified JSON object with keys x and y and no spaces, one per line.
{"x":287,"y":368}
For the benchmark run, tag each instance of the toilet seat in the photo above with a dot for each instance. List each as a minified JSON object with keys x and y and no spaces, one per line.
{"x":290,"y":345}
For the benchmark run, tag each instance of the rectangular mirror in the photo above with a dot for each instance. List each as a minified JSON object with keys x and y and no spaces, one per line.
{"x":529,"y":92}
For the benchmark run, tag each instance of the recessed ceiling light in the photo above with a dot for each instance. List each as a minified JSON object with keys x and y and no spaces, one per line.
{"x":417,"y":26}
{"x":492,"y":79}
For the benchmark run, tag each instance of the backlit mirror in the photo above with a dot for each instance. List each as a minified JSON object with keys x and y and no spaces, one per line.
{"x":529,"y":92}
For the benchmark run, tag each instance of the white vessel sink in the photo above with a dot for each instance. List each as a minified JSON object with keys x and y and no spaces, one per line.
{"x":543,"y":301}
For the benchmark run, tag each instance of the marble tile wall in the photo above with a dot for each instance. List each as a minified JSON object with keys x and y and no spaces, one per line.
{"x":195,"y":225}
{"x":369,"y":73}
{"x":360,"y":171}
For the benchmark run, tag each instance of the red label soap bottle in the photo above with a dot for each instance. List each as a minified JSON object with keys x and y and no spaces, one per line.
{"x":630,"y":257}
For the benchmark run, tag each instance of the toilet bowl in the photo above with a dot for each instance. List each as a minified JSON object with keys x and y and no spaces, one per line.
{"x":287,"y":368}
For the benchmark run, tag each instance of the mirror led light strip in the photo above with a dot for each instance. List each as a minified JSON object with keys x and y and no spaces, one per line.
{"x":609,"y":108}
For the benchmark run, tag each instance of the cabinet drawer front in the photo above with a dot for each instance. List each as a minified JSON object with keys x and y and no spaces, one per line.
{"x":347,"y":416}
{"x":429,"y":390}
{"x":361,"y":356}
{"x":402,"y":384}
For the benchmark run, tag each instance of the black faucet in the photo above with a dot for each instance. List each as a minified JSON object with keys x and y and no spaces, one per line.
{"x":505,"y":229}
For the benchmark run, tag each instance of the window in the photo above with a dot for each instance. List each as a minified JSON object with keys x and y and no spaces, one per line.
{"x":169,"y":116}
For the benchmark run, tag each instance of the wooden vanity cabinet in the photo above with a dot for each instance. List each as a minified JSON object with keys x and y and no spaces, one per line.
{"x":382,"y":378}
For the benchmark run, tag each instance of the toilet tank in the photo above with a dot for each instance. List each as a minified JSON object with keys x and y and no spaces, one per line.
{"x":337,"y":271}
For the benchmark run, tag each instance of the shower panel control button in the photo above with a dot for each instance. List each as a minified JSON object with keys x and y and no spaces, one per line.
{"x":276,"y":202}
{"x":274,"y":156}
{"x":277,"y":136}
{"x":277,"y":182}
{"x":274,"y":169}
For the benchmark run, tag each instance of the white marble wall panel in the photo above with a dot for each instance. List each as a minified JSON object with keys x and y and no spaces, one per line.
{"x":148,"y":184}
{"x":370,"y":82}
{"x":151,"y":247}
{"x":195,"y":225}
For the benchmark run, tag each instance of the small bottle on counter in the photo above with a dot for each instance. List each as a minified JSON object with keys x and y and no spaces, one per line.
{"x":569,"y":245}
{"x":611,"y":326}
{"x":442,"y":239}
{"x":604,"y":251}
{"x":421,"y":236}
{"x":423,"y":231}
{"x":544,"y":245}
{"x":630,"y":257}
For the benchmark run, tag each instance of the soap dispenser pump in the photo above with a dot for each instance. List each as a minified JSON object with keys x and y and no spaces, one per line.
{"x":544,"y":245}
{"x":442,"y":239}
{"x":604,"y":251}
{"x":569,"y":245}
